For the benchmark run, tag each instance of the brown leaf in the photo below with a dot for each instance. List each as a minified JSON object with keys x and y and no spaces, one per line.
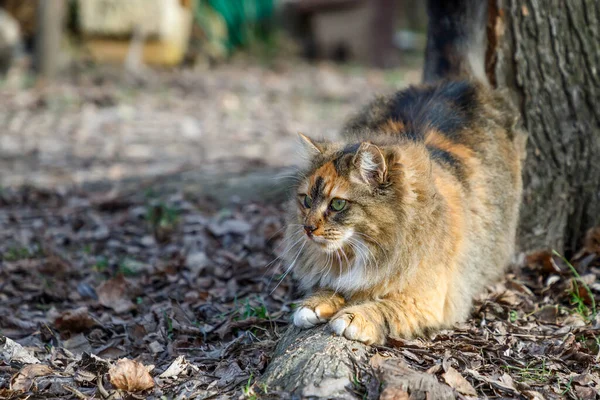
{"x":78,"y":344}
{"x":574,"y":320}
{"x":377,"y":360}
{"x":394,"y":393}
{"x":585,"y":393}
{"x":130,"y":376}
{"x":592,"y":240}
{"x":77,"y":320}
{"x":398,"y":379}
{"x":544,"y":260}
{"x":547,"y":314}
{"x":533,"y":395}
{"x":24,"y":379}
{"x":113,"y":294}
{"x":582,"y":291}
{"x":458,"y":382}
{"x":504,"y":382}
{"x":227,"y":373}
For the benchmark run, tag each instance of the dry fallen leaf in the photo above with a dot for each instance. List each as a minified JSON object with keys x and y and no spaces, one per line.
{"x":13,"y":351}
{"x":113,"y":294}
{"x":23,"y":380}
{"x":177,"y":367}
{"x":400,"y":382}
{"x":394,"y":393}
{"x":458,"y":382}
{"x":77,"y":320}
{"x":592,"y":240}
{"x":544,"y":260}
{"x":130,"y":376}
{"x":377,"y":360}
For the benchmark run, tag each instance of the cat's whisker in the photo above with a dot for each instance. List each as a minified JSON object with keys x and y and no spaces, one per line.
{"x":289,"y":269}
{"x":327,"y":266}
{"x":383,"y":252}
{"x":345,"y":256}
{"x":282,"y":228}
{"x":357,"y":246}
{"x":287,"y":249}
{"x":294,"y":178}
{"x":337,"y":287}
{"x":372,"y":240}
{"x":324,"y":267}
{"x":297,"y":235}
{"x":330,"y":263}
{"x":339,"y":259}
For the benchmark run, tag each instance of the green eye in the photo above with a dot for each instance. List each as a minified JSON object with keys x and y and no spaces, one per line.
{"x":307,"y":201}
{"x":338,"y":204}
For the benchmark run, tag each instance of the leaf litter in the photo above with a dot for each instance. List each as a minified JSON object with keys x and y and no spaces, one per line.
{"x":92,"y":303}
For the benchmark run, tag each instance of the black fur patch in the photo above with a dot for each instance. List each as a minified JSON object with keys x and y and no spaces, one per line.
{"x":351,"y":148}
{"x":448,"y":107}
{"x":317,"y":189}
{"x":454,"y":165}
{"x":455,"y":38}
{"x":341,"y":162}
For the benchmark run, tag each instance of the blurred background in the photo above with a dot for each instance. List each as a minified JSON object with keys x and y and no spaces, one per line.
{"x":98,"y":92}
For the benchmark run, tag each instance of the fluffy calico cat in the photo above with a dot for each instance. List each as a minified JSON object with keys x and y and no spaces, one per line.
{"x":396,"y":228}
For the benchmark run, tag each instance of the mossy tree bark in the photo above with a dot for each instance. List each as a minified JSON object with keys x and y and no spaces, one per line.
{"x":547,"y":53}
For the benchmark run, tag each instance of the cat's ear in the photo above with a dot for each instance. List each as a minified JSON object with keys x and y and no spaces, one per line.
{"x":371,"y":164}
{"x":311,"y":146}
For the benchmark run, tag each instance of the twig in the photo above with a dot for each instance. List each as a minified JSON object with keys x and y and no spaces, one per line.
{"x":75,"y":392}
{"x":101,"y":389}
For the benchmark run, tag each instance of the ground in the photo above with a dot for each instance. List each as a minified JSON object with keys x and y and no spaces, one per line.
{"x":101,"y":260}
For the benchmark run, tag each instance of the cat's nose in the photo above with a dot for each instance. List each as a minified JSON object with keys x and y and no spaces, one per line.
{"x":310,"y":229}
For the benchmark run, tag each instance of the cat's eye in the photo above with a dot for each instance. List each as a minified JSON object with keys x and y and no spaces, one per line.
{"x":338,"y":204}
{"x":307,"y":201}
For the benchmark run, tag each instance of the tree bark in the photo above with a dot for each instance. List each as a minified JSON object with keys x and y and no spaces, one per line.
{"x":47,"y":47}
{"x":313,"y":363}
{"x":547,"y":54}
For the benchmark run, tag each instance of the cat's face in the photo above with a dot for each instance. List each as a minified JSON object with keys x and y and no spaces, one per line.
{"x":336,"y":198}
{"x":326,"y":209}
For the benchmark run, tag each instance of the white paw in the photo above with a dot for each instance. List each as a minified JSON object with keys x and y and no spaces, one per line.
{"x":306,"y":318}
{"x":338,"y":326}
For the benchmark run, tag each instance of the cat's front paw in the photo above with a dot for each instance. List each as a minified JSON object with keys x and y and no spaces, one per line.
{"x":355,"y":323}
{"x":305,"y":318}
{"x":317,"y":309}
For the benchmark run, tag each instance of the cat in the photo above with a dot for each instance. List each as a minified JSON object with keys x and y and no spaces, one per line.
{"x":397,"y":227}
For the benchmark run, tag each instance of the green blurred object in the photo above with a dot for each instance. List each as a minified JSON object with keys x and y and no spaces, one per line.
{"x":246,"y":20}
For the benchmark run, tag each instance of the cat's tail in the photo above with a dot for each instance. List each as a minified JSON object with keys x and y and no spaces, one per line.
{"x":456,"y":40}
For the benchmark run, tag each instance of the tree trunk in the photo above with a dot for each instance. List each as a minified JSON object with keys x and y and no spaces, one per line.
{"x":47,"y":47}
{"x":547,"y":54}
